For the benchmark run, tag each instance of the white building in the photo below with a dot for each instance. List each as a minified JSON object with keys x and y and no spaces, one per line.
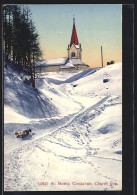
{"x":70,"y":63}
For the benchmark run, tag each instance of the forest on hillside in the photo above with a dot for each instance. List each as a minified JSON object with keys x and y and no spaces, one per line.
{"x":20,"y":39}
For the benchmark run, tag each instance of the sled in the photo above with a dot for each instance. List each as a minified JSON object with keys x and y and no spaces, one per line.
{"x":23,"y":133}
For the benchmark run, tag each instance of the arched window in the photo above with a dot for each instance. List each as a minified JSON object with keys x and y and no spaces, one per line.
{"x":73,"y":54}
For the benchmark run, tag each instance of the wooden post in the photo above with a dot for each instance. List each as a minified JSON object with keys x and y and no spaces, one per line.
{"x":102,"y":56}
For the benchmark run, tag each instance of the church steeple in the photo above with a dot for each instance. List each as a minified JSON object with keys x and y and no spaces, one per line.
{"x":74,"y":38}
{"x":74,"y":48}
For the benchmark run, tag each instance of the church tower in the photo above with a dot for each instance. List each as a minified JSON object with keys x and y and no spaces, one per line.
{"x":74,"y":48}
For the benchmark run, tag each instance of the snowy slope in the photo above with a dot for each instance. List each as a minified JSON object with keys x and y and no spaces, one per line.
{"x":76,"y":138}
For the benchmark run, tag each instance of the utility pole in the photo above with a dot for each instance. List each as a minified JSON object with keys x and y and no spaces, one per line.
{"x":102,"y":56}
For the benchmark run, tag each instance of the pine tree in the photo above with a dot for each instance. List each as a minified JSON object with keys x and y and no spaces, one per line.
{"x":20,"y":38}
{"x":7,"y":31}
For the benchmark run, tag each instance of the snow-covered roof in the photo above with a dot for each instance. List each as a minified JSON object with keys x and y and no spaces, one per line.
{"x":68,"y":65}
{"x":63,"y":62}
{"x":51,"y":62}
{"x":77,"y":46}
{"x":76,"y":62}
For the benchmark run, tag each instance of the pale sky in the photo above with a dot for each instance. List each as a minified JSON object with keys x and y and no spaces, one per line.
{"x":96,"y":25}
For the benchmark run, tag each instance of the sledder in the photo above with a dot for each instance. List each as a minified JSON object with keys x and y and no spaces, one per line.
{"x":22,"y":133}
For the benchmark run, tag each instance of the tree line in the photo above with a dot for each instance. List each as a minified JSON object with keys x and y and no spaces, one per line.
{"x":20,"y":38}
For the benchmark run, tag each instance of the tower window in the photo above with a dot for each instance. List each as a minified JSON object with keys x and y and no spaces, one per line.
{"x":73,"y":54}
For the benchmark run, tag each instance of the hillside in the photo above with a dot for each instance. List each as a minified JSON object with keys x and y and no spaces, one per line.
{"x":76,"y":138}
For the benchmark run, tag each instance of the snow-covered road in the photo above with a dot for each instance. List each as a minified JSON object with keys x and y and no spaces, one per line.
{"x":76,"y":138}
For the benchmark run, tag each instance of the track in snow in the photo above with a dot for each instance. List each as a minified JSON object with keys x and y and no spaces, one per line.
{"x":62,"y":148}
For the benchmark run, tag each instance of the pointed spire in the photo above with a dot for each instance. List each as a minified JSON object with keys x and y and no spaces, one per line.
{"x":73,"y":19}
{"x":74,"y":38}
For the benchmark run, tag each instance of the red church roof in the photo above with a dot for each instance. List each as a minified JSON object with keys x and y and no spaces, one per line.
{"x":74,"y":38}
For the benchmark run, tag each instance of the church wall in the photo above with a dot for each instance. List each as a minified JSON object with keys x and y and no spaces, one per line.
{"x":57,"y":68}
{"x":67,"y":69}
{"x":52,"y":69}
{"x":81,"y":67}
{"x":47,"y":69}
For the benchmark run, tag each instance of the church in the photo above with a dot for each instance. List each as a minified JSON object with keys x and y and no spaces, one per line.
{"x":70,"y":63}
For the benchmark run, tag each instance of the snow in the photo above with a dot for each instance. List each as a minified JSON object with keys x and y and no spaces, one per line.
{"x":65,"y":62}
{"x":13,"y":116}
{"x":76,"y":138}
{"x":77,"y":46}
{"x":76,"y":61}
{"x":68,"y":65}
{"x":51,"y":62}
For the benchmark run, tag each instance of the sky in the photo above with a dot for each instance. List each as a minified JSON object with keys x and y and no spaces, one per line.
{"x":96,"y":25}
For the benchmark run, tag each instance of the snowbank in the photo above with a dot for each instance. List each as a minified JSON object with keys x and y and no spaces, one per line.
{"x":76,"y":138}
